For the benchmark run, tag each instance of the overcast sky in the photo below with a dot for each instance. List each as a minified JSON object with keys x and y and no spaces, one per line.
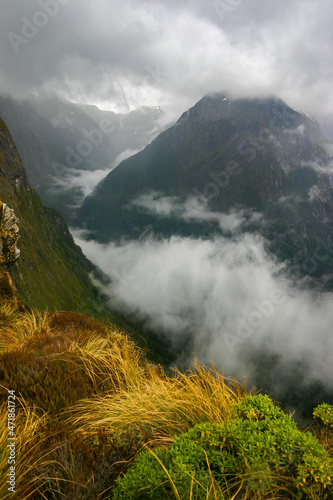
{"x":121,"y":54}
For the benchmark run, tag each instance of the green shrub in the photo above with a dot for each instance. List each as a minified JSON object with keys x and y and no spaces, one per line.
{"x":258,"y":451}
{"x":324,"y":412}
{"x":324,"y":416}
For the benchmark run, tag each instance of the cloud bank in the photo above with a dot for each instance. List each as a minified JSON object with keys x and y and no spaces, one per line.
{"x":228,"y":296}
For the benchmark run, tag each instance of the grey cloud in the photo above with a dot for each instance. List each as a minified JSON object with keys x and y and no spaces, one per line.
{"x":121,"y":54}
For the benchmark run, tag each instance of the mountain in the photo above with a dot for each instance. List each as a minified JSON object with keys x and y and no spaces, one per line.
{"x":265,"y":166}
{"x":132,"y":130}
{"x":66,"y":147}
{"x":52,"y":271}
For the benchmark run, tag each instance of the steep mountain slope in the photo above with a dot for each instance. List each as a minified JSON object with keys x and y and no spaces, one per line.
{"x":52,"y":271}
{"x":257,"y":158}
{"x":60,"y":142}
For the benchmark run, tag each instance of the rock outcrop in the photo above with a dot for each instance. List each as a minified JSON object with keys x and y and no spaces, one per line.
{"x":9,"y":234}
{"x":9,"y":253}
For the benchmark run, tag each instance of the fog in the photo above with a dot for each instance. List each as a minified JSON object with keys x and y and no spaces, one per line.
{"x":83,"y":181}
{"x":229,"y":296}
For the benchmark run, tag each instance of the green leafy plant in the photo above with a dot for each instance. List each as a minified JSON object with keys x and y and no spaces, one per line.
{"x":324,"y":416}
{"x":324,"y":412}
{"x":258,"y":452}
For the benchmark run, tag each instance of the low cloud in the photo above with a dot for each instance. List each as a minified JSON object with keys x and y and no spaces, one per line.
{"x":194,"y":209}
{"x":314,"y":193}
{"x":322,"y":168}
{"x":123,"y":156}
{"x":228,"y":295}
{"x":295,"y":131}
{"x":84,"y":181}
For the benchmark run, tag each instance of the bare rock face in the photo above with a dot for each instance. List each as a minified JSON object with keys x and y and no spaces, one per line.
{"x":9,"y":230}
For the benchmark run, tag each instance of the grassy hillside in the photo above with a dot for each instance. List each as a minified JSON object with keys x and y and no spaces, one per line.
{"x":52,"y":273}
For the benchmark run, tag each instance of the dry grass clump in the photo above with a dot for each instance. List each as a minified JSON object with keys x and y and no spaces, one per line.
{"x":56,"y":360}
{"x":158,"y":406}
{"x":18,"y":328}
{"x":31,"y":457}
{"x":112,"y":361}
{"x":53,"y":361}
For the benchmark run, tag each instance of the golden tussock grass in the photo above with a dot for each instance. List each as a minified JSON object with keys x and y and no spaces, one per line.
{"x":31,"y":457}
{"x":18,"y":328}
{"x":112,"y":362}
{"x":158,"y":406}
